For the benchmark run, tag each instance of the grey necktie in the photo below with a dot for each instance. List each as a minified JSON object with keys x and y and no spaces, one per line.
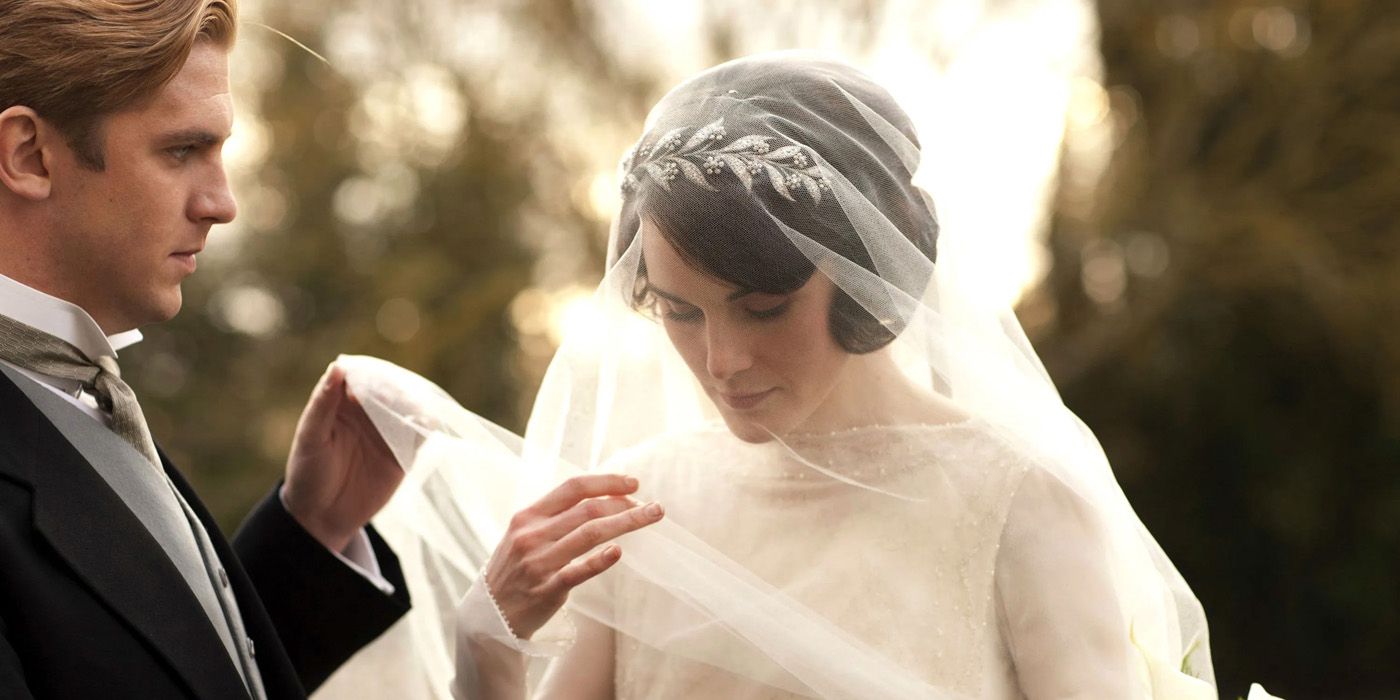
{"x":29,"y":348}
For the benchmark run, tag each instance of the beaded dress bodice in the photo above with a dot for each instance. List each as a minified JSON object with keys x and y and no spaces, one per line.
{"x":908,"y":572}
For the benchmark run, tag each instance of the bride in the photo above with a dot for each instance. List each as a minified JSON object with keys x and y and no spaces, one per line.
{"x":792,"y":457}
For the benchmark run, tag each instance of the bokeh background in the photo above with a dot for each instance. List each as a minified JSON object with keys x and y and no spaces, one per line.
{"x":1193,"y":204}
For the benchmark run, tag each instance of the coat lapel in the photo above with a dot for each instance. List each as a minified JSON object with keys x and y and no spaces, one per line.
{"x":109,"y":549}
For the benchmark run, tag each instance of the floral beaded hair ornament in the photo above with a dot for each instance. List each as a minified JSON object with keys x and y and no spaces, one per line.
{"x":788,"y":169}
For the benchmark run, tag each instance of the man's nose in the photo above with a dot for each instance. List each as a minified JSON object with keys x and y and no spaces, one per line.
{"x":214,"y":204}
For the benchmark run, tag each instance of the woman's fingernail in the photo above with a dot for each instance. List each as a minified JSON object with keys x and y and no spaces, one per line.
{"x":630,"y":481}
{"x":653,"y":510}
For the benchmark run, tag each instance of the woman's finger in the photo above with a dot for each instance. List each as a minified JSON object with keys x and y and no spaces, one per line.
{"x":591,"y":509}
{"x":583,"y":569}
{"x":575,"y":489}
{"x":597,"y":531}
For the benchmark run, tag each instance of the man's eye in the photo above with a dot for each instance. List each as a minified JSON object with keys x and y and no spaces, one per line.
{"x":180,"y":152}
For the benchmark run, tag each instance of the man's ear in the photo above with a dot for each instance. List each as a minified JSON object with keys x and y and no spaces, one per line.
{"x":24,"y":169}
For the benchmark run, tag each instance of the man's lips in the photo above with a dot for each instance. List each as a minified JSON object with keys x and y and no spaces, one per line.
{"x":744,"y":401}
{"x":186,"y":258}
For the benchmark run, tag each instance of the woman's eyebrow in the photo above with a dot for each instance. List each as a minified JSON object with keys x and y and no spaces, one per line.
{"x":668,"y":296}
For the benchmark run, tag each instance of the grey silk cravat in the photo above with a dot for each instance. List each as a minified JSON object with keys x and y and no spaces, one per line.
{"x":37,"y":351}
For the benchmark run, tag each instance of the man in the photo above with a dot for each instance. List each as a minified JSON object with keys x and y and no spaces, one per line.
{"x":114,"y":580}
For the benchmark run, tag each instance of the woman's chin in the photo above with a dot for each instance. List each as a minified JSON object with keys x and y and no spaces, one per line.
{"x":747,"y":430}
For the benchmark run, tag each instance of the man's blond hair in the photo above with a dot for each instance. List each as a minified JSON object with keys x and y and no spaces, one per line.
{"x":76,"y":61}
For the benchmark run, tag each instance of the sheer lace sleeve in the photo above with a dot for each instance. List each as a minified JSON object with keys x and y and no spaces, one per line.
{"x":1058,"y":609}
{"x":586,"y":671}
{"x":492,"y":662}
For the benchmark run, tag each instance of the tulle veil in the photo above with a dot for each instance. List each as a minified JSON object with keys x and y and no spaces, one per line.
{"x":823,"y":159}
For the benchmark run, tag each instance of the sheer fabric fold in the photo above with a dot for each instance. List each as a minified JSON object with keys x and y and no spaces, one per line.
{"x":963,"y":537}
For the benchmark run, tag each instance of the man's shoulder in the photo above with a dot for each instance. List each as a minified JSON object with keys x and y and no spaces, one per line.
{"x":19,"y":425}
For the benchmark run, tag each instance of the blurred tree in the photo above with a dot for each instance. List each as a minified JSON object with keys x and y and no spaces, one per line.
{"x":386,"y":244}
{"x":1224,"y":316}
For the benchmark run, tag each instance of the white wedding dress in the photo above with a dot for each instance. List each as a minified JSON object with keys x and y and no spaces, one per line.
{"x":833,"y":547}
{"x":1003,"y":597}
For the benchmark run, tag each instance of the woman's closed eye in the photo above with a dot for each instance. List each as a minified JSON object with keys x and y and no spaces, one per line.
{"x":680,"y":312}
{"x":766,"y":306}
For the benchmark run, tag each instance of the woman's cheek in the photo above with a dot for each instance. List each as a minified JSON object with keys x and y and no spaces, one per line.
{"x":687,"y":343}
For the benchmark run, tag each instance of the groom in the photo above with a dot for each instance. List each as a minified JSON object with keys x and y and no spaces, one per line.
{"x":115,"y":581}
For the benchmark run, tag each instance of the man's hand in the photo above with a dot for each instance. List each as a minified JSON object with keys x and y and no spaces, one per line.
{"x":340,"y":472}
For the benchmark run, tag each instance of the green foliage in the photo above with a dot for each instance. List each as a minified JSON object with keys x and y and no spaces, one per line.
{"x":1249,"y":395}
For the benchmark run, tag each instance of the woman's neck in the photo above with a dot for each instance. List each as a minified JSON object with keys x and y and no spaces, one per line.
{"x":873,"y":390}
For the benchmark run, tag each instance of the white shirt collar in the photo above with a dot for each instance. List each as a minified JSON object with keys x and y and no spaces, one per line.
{"x":61,"y":319}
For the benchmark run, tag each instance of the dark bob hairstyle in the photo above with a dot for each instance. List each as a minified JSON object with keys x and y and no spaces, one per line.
{"x":731,"y":231}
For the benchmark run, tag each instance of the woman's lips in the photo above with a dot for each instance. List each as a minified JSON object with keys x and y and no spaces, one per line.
{"x":744,"y":402}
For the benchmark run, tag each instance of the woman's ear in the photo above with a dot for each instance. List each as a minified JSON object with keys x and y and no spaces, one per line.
{"x":23,"y":168}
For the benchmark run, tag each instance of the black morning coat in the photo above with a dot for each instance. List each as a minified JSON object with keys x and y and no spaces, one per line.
{"x":91,"y":606}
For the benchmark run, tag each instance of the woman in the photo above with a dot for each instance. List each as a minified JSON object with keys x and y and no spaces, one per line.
{"x":864,"y":484}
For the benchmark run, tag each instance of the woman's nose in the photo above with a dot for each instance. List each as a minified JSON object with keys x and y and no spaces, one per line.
{"x":727,"y":352}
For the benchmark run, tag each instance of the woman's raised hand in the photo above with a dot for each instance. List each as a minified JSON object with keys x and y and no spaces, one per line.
{"x":542,"y":556}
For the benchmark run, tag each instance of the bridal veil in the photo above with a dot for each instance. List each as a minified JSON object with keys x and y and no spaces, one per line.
{"x":893,"y":558}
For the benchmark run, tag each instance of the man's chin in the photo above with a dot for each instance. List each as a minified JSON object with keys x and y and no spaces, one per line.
{"x":158,"y":310}
{"x":169,"y":310}
{"x":119,"y":318}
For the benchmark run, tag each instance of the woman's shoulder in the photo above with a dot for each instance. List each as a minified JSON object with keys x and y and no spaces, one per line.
{"x":969,"y":451}
{"x":669,"y":447}
{"x":973,"y":445}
